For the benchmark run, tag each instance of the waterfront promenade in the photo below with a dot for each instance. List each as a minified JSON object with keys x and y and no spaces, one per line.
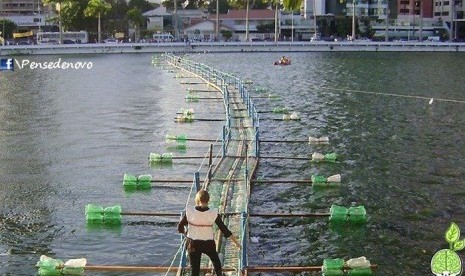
{"x":217,"y":47}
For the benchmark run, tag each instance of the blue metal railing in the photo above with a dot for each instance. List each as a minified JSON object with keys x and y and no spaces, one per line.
{"x":222,"y":80}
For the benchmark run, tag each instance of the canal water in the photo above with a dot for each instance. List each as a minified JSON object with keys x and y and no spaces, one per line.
{"x":68,"y":136}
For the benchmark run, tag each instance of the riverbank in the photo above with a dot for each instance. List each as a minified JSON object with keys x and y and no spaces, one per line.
{"x":224,"y":47}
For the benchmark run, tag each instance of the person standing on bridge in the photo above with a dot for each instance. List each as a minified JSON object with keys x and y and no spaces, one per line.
{"x":199,"y":221}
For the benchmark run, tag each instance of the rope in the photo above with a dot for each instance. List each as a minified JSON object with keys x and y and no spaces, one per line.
{"x":183,"y":241}
{"x":391,"y":94}
{"x":176,"y":254}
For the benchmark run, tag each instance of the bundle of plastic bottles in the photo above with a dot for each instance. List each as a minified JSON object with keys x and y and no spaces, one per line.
{"x":329,"y":157}
{"x":335,"y":267}
{"x":280,"y":110}
{"x":191,"y":98}
{"x":322,"y":181}
{"x":165,"y":158}
{"x":142,"y":182}
{"x":319,"y":140}
{"x":354,"y":215}
{"x":176,"y":142}
{"x":50,"y":267}
{"x":181,"y":118}
{"x":260,"y":89}
{"x":291,"y":117}
{"x":98,"y":214}
{"x":186,"y":111}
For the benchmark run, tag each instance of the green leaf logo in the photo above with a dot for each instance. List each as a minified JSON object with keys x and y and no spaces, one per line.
{"x":452,"y":233}
{"x":458,"y":245}
{"x":446,"y":262}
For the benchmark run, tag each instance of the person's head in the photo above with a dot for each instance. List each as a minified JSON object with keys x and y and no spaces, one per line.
{"x":202,"y":198}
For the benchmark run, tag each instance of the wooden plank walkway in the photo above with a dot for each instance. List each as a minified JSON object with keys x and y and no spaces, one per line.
{"x":238,"y":162}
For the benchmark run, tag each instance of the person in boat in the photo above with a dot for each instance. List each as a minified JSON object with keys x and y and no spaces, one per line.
{"x":283,"y":60}
{"x":199,"y":221}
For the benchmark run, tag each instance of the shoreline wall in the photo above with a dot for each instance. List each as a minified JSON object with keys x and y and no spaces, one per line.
{"x":225,"y":47}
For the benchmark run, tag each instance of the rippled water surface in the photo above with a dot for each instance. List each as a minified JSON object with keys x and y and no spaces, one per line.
{"x":401,"y":157}
{"x":67,"y":137}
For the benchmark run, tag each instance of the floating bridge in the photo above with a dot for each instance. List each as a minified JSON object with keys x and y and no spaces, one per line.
{"x":229,"y":179}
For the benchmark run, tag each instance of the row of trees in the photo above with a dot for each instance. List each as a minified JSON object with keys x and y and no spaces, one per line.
{"x":74,"y":15}
{"x":88,"y":15}
{"x":118,"y":14}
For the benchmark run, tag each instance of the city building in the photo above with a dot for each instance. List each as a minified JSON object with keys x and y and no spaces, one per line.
{"x":452,"y":15}
{"x":28,"y":15}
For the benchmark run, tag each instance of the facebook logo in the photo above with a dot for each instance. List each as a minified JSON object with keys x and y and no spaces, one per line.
{"x":7,"y":64}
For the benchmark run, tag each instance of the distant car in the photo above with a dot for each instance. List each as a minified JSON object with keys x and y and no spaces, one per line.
{"x":49,"y":41}
{"x":68,"y":41}
{"x":256,"y":39}
{"x":110,"y":40}
{"x":269,"y":39}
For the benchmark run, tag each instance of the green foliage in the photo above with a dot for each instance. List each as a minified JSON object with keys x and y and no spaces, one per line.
{"x":275,"y":3}
{"x":443,"y":34}
{"x":136,"y":17}
{"x":265,"y":28}
{"x":169,"y":4}
{"x":227,"y":34}
{"x":51,"y":2}
{"x":222,"y":4}
{"x":253,"y":4}
{"x":96,"y":8}
{"x":292,"y":5}
{"x":9,"y":28}
{"x":343,"y":26}
{"x":196,"y":4}
{"x":146,"y":33}
{"x":260,"y":4}
{"x":72,"y":14}
{"x":143,"y":5}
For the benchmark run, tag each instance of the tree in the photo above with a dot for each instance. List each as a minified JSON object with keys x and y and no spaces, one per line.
{"x":223,"y":6}
{"x":59,"y":4}
{"x":254,"y":4}
{"x":196,"y":4}
{"x":276,"y":4}
{"x":97,"y":8}
{"x":227,"y":34}
{"x":8,"y":26}
{"x":117,"y":17}
{"x":169,"y":4}
{"x":292,"y":5}
{"x":343,"y":26}
{"x":143,"y":5}
{"x":119,"y":9}
{"x":265,"y":28}
{"x":135,"y":16}
{"x":71,"y":14}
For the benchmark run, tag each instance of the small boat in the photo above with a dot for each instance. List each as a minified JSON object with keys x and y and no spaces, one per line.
{"x":283,"y":62}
